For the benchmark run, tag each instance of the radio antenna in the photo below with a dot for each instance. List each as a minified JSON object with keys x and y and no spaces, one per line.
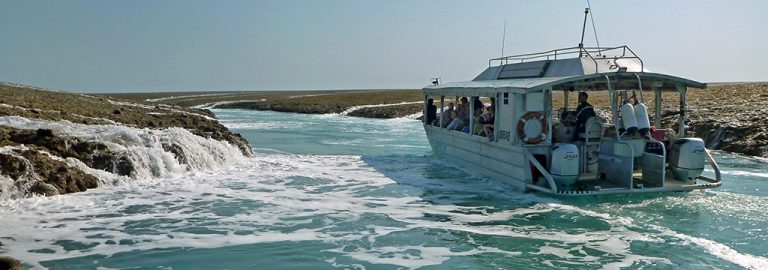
{"x":594,"y":29}
{"x":503,"y":38}
{"x":583,"y":28}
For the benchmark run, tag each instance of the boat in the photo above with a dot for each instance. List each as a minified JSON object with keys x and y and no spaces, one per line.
{"x":536,"y":147}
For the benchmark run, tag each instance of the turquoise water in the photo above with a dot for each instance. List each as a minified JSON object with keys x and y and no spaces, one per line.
{"x":337,"y":192}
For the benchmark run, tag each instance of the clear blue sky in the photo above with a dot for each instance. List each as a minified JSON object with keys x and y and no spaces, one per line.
{"x":168,"y":45}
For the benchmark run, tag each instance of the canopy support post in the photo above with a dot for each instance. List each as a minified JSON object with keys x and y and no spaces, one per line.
{"x":657,"y":109}
{"x":471,"y":113}
{"x":442,"y":111}
{"x":681,"y":121}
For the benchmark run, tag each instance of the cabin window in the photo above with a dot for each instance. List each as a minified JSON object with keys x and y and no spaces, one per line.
{"x":506,"y":98}
{"x":483,"y":117}
{"x":432,"y":110}
{"x":534,"y":102}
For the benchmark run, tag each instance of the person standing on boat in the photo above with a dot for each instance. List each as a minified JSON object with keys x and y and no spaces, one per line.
{"x":583,"y":112}
{"x":431,"y":112}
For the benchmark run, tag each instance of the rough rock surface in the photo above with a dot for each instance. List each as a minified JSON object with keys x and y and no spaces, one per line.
{"x":39,"y":156}
{"x":731,"y":118}
{"x":9,"y":263}
{"x":30,"y":102}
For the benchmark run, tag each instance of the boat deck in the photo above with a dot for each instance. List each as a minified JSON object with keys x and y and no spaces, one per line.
{"x":591,"y":184}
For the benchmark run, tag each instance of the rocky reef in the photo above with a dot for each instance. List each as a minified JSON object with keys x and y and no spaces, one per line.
{"x":360,"y":103}
{"x":731,"y":117}
{"x":45,"y":150}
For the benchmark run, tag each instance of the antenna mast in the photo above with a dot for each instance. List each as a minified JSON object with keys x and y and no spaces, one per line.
{"x":594,"y":29}
{"x":583,"y":28}
{"x":503,"y":38}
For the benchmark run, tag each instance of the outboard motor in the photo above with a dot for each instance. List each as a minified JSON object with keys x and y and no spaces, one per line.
{"x":565,"y":165}
{"x":686,"y":158}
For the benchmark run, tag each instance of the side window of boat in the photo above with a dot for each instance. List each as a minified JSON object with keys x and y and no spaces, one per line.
{"x":534,"y":102}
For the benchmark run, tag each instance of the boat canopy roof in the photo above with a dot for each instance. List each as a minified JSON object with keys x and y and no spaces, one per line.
{"x":583,"y":73}
{"x":591,"y":82}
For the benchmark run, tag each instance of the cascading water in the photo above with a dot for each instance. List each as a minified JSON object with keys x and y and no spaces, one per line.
{"x":153,"y":153}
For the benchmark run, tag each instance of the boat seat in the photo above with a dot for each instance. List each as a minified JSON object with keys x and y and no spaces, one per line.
{"x":593,"y":129}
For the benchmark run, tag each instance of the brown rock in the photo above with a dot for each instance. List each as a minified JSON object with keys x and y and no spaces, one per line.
{"x":44,"y":133}
{"x":13,"y":166}
{"x":9,"y":263}
{"x":44,"y":189}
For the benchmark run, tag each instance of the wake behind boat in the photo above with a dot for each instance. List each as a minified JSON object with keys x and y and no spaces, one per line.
{"x":562,"y":151}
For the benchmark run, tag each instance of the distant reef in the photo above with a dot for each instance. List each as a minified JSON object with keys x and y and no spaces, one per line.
{"x":360,"y":103}
{"x":55,"y":143}
{"x":731,"y":117}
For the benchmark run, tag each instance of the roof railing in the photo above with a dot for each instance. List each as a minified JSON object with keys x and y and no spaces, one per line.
{"x":594,"y":53}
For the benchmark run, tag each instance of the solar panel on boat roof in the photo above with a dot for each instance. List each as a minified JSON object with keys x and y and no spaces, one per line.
{"x":524,"y":70}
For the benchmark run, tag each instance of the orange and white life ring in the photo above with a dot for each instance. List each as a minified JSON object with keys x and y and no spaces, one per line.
{"x":532,"y":128}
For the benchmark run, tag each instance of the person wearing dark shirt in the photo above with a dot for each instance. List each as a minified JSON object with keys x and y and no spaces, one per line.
{"x":431,"y":112}
{"x":583,"y":112}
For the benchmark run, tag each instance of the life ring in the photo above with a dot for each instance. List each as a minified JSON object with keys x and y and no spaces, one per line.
{"x":525,"y":121}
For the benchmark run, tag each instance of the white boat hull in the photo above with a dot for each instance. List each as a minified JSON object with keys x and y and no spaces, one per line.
{"x":513,"y":166}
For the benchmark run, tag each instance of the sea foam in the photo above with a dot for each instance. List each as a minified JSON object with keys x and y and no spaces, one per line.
{"x":147,"y":149}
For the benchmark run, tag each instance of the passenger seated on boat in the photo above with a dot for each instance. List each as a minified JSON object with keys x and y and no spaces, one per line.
{"x":481,"y":117}
{"x":583,"y":112}
{"x":451,"y":117}
{"x":446,"y":115}
{"x":478,"y":106}
{"x":462,"y":114}
{"x":488,"y":125}
{"x":431,"y":112}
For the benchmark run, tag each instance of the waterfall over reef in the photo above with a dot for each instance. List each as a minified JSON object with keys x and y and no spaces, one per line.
{"x":55,"y":143}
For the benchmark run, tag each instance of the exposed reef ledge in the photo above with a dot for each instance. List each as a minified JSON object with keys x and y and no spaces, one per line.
{"x":56,"y":143}
{"x":731,"y":117}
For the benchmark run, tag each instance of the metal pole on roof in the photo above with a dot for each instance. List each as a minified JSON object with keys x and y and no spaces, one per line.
{"x":594,"y":29}
{"x":503,"y":38}
{"x":583,"y":28}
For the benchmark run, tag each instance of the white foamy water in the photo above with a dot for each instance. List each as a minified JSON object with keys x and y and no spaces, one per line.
{"x":300,"y":204}
{"x":145,"y":148}
{"x":355,"y":108}
{"x":341,"y":201}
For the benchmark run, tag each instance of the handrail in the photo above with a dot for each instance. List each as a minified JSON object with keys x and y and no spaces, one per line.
{"x":642,"y":68}
{"x":714,"y":165}
{"x":642,"y":99}
{"x":550,"y":180}
{"x":553,"y":54}
{"x":586,"y":140}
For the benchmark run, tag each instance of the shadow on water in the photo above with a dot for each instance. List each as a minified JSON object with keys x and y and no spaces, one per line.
{"x":444,"y":183}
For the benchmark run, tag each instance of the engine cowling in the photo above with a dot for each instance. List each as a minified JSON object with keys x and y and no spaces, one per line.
{"x":687,"y":158}
{"x":565,"y":165}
